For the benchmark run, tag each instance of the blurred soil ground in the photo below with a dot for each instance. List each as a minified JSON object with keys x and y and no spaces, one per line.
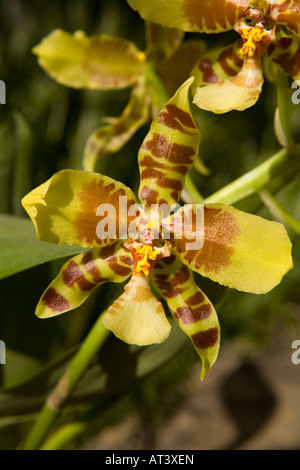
{"x":247,"y":402}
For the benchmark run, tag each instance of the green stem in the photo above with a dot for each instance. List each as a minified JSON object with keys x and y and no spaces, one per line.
{"x":256,"y":179}
{"x":192,"y":192}
{"x":66,"y":385}
{"x":67,"y":433}
{"x":158,"y":91}
{"x":200,"y":167}
{"x":64,"y":436}
{"x":281,"y":214}
{"x":282,"y":125}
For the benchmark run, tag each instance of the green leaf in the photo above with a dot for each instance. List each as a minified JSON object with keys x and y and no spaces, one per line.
{"x":20,"y":366}
{"x":20,"y":249}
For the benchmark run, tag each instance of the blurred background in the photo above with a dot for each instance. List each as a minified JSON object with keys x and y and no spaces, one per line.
{"x":143,"y":398}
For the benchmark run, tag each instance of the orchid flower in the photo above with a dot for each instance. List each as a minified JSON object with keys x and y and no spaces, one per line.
{"x":231,"y":77}
{"x":103,"y":62}
{"x":158,"y":254}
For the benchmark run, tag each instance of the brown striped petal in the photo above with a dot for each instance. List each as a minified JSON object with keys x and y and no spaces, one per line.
{"x":168,"y":151}
{"x":80,"y":208}
{"x":240,"y":250}
{"x":137,"y":317}
{"x":217,"y":65}
{"x":110,"y":138}
{"x":193,"y":15}
{"x":285,"y":51}
{"x":190,"y":308}
{"x":96,"y":62}
{"x":237,"y":93}
{"x":285,"y":12}
{"x":81,"y":275}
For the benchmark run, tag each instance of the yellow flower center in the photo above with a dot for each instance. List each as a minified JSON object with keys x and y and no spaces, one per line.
{"x":145,"y":253}
{"x":252,"y":36}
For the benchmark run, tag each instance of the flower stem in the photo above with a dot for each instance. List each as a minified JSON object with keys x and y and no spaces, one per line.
{"x":191,"y":193}
{"x":282,"y":127}
{"x":279,"y":212}
{"x":158,"y":91}
{"x":64,"y":436}
{"x":68,"y":432}
{"x":256,"y":179}
{"x":66,"y":385}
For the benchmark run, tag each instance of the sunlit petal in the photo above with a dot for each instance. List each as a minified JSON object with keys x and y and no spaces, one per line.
{"x":237,"y":93}
{"x":79,"y":208}
{"x":137,"y":317}
{"x":192,"y":15}
{"x":217,"y":65}
{"x":240,"y":250}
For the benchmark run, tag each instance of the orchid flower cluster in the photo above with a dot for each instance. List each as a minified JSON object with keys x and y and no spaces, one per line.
{"x":128,"y":239}
{"x":231,"y":77}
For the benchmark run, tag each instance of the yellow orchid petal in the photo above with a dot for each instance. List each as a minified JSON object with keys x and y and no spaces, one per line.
{"x":110,"y":138}
{"x":217,"y":65}
{"x":96,"y":62}
{"x":192,"y":15}
{"x":190,"y":307}
{"x":81,"y":275}
{"x":240,"y":250}
{"x":79,"y":208}
{"x":168,"y":151}
{"x":137,"y":317}
{"x":286,"y":13}
{"x":239,"y":92}
{"x":285,"y":51}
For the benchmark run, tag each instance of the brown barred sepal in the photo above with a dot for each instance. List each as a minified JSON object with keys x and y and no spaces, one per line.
{"x":190,"y":307}
{"x":285,"y":52}
{"x":168,"y":151}
{"x":81,"y":275}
